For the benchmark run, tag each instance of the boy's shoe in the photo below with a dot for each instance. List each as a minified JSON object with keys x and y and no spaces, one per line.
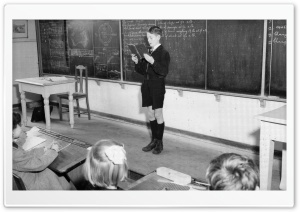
{"x":159,"y":147}
{"x":150,"y":146}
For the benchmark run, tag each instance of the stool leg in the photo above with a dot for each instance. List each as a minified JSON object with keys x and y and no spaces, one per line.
{"x":282,"y":185}
{"x":78,"y":109}
{"x":60,"y":109}
{"x":88,"y":107}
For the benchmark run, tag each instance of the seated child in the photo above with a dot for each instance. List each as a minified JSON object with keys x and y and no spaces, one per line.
{"x":231,"y":171}
{"x":106,"y":165}
{"x":32,"y":165}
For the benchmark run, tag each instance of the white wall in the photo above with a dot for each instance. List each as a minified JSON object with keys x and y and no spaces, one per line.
{"x":25,"y":61}
{"x":233,"y":118}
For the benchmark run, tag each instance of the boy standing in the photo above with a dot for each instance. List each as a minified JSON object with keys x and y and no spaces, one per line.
{"x":155,"y":68}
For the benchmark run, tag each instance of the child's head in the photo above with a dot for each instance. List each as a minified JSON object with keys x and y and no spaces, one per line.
{"x":17,"y":130}
{"x":106,"y":164}
{"x":231,"y":171}
{"x":153,"y":35}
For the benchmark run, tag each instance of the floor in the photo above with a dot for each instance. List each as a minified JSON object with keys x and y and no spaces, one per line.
{"x":182,"y":153}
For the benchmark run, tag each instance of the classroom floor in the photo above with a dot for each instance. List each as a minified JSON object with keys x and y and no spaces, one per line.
{"x":182,"y":153}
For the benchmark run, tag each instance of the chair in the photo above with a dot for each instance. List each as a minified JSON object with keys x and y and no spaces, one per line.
{"x":18,"y":183}
{"x":77,"y":95}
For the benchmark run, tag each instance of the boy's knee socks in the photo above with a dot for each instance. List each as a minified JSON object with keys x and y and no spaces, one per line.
{"x":160,"y":130}
{"x":153,"y":125}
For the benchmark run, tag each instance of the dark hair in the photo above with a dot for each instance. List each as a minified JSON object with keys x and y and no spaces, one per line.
{"x":16,"y":120}
{"x":232,"y":171}
{"x":155,"y":30}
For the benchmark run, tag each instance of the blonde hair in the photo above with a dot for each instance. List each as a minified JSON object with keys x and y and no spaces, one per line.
{"x":231,"y":171}
{"x":100,"y":170}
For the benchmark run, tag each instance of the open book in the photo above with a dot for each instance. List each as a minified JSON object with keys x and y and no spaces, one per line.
{"x":139,"y":50}
{"x":34,"y":140}
{"x":38,"y":142}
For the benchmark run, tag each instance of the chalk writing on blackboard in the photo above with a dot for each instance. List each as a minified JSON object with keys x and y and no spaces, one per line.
{"x":54,"y":55}
{"x":60,"y":53}
{"x":56,"y":44}
{"x":80,"y":34}
{"x":180,"y":29}
{"x":107,"y":63}
{"x":105,"y":33}
{"x":81,"y":52}
{"x":275,"y":84}
{"x":134,"y":32}
{"x":278,"y":34}
{"x":186,"y":42}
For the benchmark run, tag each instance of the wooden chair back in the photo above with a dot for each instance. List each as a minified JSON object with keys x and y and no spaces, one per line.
{"x":81,"y":72}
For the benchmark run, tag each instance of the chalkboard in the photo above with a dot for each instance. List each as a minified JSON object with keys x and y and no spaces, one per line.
{"x":234,"y":57}
{"x":55,"y":59}
{"x":107,"y":50}
{"x":219,"y":55}
{"x":133,"y":32}
{"x":276,"y":59}
{"x":92,"y":43}
{"x":186,"y":42}
{"x":80,"y":45}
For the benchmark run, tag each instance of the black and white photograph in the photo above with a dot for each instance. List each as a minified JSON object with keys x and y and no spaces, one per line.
{"x":116,"y":106}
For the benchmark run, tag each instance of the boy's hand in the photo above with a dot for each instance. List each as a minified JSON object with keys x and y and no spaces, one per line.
{"x":149,"y":58}
{"x":55,"y":147}
{"x":134,"y":58}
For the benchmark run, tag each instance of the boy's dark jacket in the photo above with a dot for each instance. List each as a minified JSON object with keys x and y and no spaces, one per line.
{"x":160,"y":67}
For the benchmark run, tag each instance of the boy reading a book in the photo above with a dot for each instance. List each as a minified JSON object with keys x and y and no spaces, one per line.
{"x":32,"y":165}
{"x":155,"y":68}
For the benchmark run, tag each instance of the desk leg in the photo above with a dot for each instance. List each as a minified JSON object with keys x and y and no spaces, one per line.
{"x":71,"y":109}
{"x":24,"y":112}
{"x":282,"y":185}
{"x":266,"y":161}
{"x":47,"y":111}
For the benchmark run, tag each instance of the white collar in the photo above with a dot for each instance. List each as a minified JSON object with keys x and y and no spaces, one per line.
{"x":155,"y":47}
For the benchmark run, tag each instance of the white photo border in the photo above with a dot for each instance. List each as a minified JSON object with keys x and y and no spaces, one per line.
{"x":144,"y":198}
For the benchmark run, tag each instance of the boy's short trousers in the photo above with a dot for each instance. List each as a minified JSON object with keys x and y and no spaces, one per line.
{"x":153,"y":93}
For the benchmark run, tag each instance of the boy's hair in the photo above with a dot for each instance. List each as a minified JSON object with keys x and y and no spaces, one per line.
{"x":106,"y":164}
{"x":231,"y":171}
{"x":16,"y":120}
{"x":155,"y":30}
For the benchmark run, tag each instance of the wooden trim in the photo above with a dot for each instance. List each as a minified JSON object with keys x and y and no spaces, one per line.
{"x":263,"y":71}
{"x":267,"y":98}
{"x":39,"y":47}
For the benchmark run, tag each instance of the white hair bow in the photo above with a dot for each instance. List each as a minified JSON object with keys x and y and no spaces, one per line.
{"x":116,"y":154}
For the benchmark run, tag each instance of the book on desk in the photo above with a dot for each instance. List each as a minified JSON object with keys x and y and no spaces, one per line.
{"x":34,"y":140}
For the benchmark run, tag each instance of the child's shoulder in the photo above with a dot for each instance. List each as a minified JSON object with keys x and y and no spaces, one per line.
{"x":162,"y":49}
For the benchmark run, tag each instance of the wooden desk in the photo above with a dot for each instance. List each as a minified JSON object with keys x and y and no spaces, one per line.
{"x":46,"y":87}
{"x":153,"y":181}
{"x":69,"y":157}
{"x":273,"y":128}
